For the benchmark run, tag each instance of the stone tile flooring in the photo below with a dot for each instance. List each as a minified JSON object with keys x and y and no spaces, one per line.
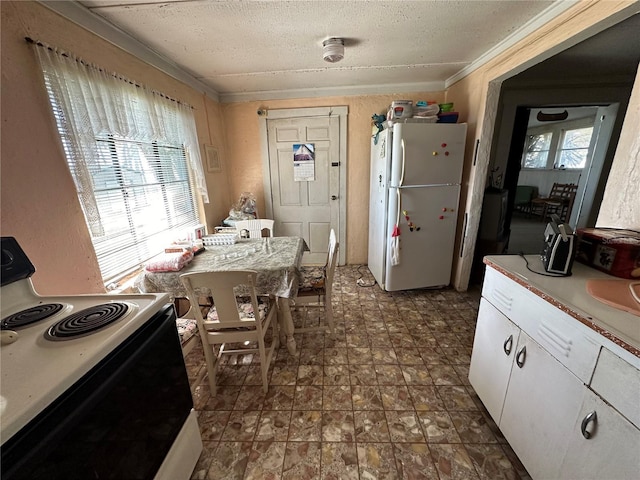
{"x":387,"y":398}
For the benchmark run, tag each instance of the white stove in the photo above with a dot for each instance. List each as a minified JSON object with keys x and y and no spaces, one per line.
{"x":36,"y":369}
{"x":52,"y":346}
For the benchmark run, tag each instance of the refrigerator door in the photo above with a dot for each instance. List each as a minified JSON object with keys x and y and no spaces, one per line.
{"x":426,"y":253}
{"x":427,"y":153}
{"x":378,"y":203}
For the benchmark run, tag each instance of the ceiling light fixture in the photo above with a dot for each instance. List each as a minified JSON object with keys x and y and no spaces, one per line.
{"x":333,"y":50}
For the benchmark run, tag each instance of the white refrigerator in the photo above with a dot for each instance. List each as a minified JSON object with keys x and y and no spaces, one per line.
{"x":416,"y":170}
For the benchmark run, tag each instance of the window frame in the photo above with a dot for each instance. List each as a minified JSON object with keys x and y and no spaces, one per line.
{"x":557,"y":130}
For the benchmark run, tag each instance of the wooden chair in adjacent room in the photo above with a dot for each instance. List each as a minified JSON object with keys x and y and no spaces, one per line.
{"x":255,"y":227}
{"x":237,"y":315}
{"x":560,"y":201}
{"x":316,"y":288}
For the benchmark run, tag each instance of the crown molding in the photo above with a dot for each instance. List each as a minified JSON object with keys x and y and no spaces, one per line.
{"x":332,"y":92}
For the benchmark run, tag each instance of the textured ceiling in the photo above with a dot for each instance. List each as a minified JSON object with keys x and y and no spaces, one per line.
{"x":264,"y":49}
{"x":245,"y":47}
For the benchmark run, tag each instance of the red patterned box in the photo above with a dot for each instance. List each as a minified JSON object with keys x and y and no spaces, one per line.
{"x":613,"y":251}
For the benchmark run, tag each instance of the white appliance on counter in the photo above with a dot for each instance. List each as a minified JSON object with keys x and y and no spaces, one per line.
{"x":416,"y":170}
{"x":93,"y":386}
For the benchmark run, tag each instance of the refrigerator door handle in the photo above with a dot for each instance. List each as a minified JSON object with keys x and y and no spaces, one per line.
{"x":403,"y":163}
{"x":426,"y":185}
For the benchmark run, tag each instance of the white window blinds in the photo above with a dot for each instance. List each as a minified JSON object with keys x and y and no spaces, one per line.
{"x":133,"y":155}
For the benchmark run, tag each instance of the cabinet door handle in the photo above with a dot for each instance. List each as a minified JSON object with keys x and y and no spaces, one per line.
{"x":590,"y":417}
{"x":508,"y":344}
{"x":520,"y":357}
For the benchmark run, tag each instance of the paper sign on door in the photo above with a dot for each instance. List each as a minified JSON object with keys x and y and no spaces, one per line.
{"x":304,"y":162}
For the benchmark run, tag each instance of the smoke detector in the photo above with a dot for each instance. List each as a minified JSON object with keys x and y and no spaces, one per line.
{"x":333,"y":50}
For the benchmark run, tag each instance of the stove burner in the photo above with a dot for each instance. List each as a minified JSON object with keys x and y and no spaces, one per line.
{"x":86,"y":321}
{"x":30,"y":315}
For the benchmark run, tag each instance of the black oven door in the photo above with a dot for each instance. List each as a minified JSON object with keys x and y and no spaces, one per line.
{"x":118,"y":421}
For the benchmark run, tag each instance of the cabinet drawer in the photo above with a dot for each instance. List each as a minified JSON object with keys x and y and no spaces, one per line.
{"x":566,"y":339}
{"x":618,"y":382}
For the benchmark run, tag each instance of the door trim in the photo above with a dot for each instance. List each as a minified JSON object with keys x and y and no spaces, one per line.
{"x":337,"y":111}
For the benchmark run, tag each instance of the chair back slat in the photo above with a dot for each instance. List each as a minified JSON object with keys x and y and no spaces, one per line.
{"x":225,"y":288}
{"x":255,"y":227}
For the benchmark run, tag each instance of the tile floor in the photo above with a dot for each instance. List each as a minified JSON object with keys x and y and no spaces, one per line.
{"x":387,"y":398}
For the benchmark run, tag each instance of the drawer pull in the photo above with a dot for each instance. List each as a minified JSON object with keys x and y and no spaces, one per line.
{"x":521,"y":356}
{"x":590,"y":417}
{"x":508,"y":344}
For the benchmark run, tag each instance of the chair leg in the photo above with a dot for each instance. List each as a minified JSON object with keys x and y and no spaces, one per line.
{"x":328,"y":313}
{"x":211,"y":362}
{"x":264,"y":367}
{"x":275,"y":332}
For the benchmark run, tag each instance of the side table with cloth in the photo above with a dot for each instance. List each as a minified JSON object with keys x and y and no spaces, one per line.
{"x":276,"y":260}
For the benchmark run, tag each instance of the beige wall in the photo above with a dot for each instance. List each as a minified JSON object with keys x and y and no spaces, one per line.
{"x":243,"y":140}
{"x":39,"y":202}
{"x":621,"y":206}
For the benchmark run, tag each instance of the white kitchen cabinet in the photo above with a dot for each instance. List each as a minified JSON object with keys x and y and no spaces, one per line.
{"x":612,"y":450}
{"x":492,"y":357}
{"x":541,"y":404}
{"x":555,"y":373}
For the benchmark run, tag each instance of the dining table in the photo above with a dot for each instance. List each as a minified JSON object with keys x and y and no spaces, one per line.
{"x":276,"y":260}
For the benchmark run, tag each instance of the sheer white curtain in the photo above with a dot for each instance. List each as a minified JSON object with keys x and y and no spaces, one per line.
{"x":98,"y":103}
{"x":134,"y":157}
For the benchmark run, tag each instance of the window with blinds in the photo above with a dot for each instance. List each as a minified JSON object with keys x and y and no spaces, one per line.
{"x":136,"y":190}
{"x":143,"y":196}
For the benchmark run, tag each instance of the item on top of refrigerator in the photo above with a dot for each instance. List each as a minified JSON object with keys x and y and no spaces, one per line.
{"x":400,"y":109}
{"x":448,"y":117}
{"x":426,"y":110}
{"x":378,"y":126}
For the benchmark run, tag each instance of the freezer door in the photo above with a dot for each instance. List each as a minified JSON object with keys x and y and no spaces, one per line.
{"x":378,"y":203}
{"x":426,"y":253}
{"x":427,"y":154}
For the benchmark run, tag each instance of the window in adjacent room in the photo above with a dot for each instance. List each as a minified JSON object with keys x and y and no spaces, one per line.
{"x":574,"y":147}
{"x":558,"y":145}
{"x":134,"y":157}
{"x":537,"y":150}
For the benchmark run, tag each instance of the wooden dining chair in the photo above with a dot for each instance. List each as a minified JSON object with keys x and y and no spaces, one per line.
{"x":255,"y":227}
{"x":237,"y":315}
{"x":560,"y":201}
{"x":316,"y":288}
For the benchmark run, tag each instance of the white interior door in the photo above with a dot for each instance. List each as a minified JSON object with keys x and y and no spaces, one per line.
{"x":306,"y":208}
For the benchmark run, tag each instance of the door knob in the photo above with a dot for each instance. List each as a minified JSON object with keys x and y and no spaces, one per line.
{"x":334,"y":197}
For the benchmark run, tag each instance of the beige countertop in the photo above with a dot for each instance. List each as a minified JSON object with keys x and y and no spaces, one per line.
{"x":569,"y":294}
